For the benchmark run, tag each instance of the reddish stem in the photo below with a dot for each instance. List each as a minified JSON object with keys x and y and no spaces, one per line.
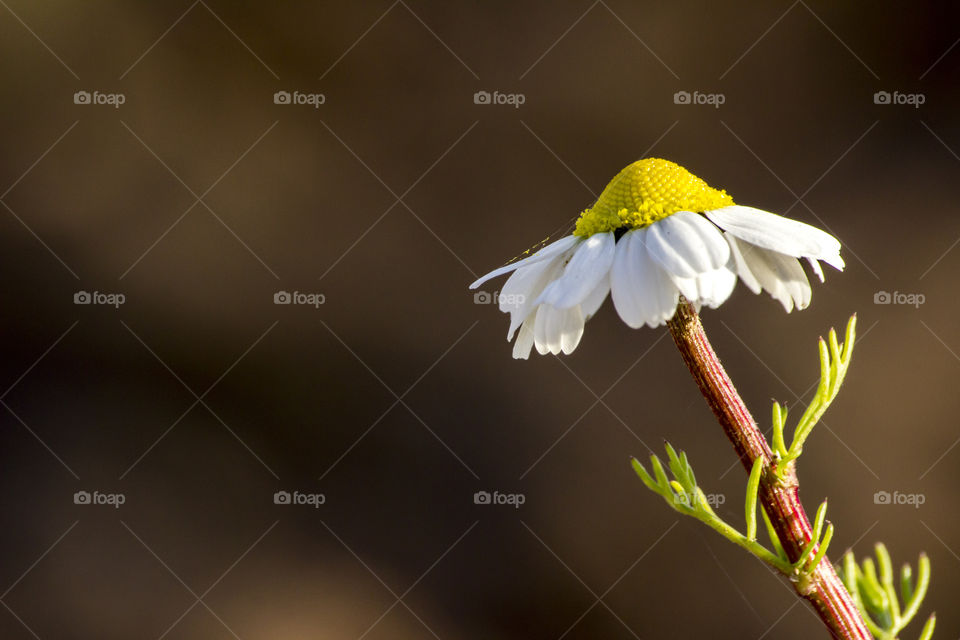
{"x":780,"y":496}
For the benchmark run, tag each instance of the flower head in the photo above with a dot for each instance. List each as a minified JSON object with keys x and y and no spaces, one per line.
{"x":655,"y":233}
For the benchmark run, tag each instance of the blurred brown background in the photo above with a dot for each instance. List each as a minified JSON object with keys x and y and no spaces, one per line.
{"x":198,"y":398}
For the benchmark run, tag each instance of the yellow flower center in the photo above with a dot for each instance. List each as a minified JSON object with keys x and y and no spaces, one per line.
{"x":646,"y":191}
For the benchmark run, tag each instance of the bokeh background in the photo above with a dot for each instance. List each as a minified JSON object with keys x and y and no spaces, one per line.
{"x":197,"y":399}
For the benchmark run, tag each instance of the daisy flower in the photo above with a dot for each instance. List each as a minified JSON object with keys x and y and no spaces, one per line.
{"x":656,"y":233}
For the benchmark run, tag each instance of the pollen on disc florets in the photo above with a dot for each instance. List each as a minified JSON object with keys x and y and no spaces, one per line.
{"x":646,"y":191}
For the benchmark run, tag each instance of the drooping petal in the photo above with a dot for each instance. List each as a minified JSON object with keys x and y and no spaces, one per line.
{"x":557,"y":330}
{"x":714,"y":287}
{"x":571,"y":329}
{"x":521,"y":289}
{"x":710,"y":288}
{"x":716,"y":248}
{"x":546,"y":330}
{"x":779,"y":274}
{"x":589,"y":265}
{"x":783,"y":235}
{"x":741,"y":265}
{"x":685,"y":245}
{"x":549,"y":251}
{"x":687,"y":286}
{"x":642,"y":293}
{"x":540,"y":330}
{"x":524,"y":343}
{"x":815,"y":265}
{"x":593,"y":301}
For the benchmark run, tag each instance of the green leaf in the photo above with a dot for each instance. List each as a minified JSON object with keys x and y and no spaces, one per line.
{"x":647,"y":479}
{"x":702,"y":503}
{"x":688,"y":470}
{"x":683,"y":495}
{"x":883,"y":561}
{"x":906,"y":582}
{"x":676,"y":466}
{"x":875,"y":596}
{"x":912,"y":605}
{"x":801,"y":562}
{"x":872,"y":587}
{"x":753,"y":488}
{"x":822,"y":549}
{"x":772,"y":533}
{"x":834,"y":362}
{"x":661,"y":475}
{"x":849,"y":574}
{"x":779,"y":420}
{"x":927,"y":632}
{"x":818,"y":521}
{"x":886,"y":580}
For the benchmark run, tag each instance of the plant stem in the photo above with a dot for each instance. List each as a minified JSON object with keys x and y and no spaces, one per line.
{"x":779,"y":496}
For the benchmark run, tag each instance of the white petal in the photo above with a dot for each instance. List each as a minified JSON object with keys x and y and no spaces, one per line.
{"x":783,"y":235}
{"x":642,"y":293}
{"x":540,"y":330}
{"x":687,"y":286}
{"x":571,"y":329}
{"x":780,"y":275}
{"x":741,"y":265}
{"x":716,"y":249}
{"x":710,"y":288}
{"x":684,"y":245}
{"x":715,"y":286}
{"x":815,"y":265}
{"x":589,"y":265}
{"x":557,"y":330}
{"x":628,"y":280}
{"x":546,"y":330}
{"x":523,"y":286}
{"x":521,"y":348}
{"x":549,"y":251}
{"x":593,"y":301}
